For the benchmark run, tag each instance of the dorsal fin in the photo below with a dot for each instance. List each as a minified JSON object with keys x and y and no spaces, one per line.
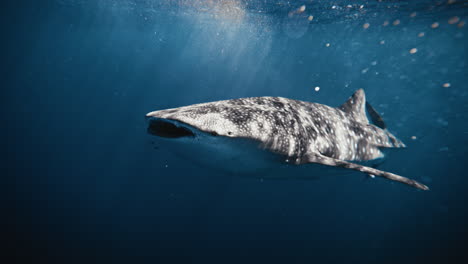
{"x":356,"y":106}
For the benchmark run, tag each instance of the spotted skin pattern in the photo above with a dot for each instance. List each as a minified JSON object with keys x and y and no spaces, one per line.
{"x":302,"y":132}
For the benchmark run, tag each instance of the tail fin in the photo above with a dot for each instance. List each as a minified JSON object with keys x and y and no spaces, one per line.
{"x":378,"y":121}
{"x":394,"y":140}
{"x":375,"y":117}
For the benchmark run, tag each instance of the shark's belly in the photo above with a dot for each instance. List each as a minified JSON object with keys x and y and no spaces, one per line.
{"x":228,"y":155}
{"x":245,"y":158}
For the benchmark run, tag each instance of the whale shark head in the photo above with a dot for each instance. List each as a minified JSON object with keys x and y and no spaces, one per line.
{"x":188,"y":128}
{"x":209,"y":134}
{"x":194,"y":121}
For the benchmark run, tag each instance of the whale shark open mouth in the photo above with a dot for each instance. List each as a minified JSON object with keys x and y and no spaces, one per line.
{"x":168,"y":129}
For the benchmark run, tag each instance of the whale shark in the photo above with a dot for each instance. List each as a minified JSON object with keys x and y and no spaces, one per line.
{"x":263,"y":132}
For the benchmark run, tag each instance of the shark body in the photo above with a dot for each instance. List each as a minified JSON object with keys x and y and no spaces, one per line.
{"x":296,"y":132}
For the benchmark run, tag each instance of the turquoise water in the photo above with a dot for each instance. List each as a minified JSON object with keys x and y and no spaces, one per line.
{"x":86,"y":183}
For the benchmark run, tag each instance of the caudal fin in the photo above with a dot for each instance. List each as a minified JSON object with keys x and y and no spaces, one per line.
{"x":375,"y":117}
{"x":378,"y":121}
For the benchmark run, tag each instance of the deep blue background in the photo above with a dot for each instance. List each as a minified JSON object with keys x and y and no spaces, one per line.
{"x":83,"y":182}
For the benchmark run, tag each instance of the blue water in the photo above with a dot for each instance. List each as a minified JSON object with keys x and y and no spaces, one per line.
{"x":85,"y":183}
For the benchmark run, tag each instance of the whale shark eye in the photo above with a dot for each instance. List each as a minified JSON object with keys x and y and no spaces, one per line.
{"x":229,"y":133}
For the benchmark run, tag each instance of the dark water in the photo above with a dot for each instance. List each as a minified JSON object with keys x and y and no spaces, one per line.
{"x":85,"y":184}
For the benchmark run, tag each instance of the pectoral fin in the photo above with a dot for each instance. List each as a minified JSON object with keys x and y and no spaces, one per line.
{"x":324,"y":160}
